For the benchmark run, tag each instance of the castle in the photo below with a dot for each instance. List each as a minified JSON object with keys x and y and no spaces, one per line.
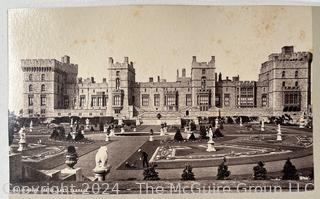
{"x":52,"y":89}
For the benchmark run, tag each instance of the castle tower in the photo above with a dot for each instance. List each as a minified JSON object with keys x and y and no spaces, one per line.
{"x":120,"y":88}
{"x":203,"y":83}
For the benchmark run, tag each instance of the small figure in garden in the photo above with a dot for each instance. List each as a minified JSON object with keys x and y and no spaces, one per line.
{"x":143,"y":158}
{"x":223,"y":171}
{"x":289,"y":171}
{"x":187,"y":173}
{"x":178,"y":137}
{"x":150,"y":173}
{"x":259,"y":172}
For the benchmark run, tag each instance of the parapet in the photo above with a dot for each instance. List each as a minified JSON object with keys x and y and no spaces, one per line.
{"x":211,"y":63}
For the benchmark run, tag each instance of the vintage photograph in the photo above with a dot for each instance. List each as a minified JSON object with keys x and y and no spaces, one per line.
{"x":160,"y":99}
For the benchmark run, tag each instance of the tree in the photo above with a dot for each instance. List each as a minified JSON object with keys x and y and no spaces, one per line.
{"x":150,"y":173}
{"x":187,"y":173}
{"x":192,"y":137}
{"x":259,"y":172}
{"x":178,"y":136}
{"x":223,"y":171}
{"x":289,"y":171}
{"x":203,"y":132}
{"x":217,"y":133}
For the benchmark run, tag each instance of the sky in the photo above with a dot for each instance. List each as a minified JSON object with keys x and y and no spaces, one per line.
{"x":158,"y":39}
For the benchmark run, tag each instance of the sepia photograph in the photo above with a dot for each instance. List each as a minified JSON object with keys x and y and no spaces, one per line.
{"x":160,"y":99}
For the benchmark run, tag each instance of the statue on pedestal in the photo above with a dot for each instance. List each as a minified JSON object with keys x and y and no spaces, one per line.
{"x":279,"y":138}
{"x":31,"y":126}
{"x":87,"y":123}
{"x":262,"y":125}
{"x":216,"y":123}
{"x":22,"y":141}
{"x":101,"y":160}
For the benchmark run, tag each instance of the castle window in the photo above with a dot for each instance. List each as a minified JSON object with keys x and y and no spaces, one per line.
{"x":156,"y":99}
{"x":43,"y":87}
{"x":203,"y":82}
{"x":226,"y":99}
{"x":30,"y":101}
{"x":66,"y":102}
{"x":283,"y":74}
{"x":43,"y":100}
{"x":99,"y":101}
{"x":30,"y":77}
{"x":203,"y":71}
{"x":171,"y":100}
{"x":117,"y":100}
{"x":296,"y":74}
{"x":296,"y":83}
{"x":145,"y":100}
{"x":188,"y":100}
{"x":156,"y":89}
{"x":42,"y":77}
{"x":43,"y":111}
{"x":30,"y":88}
{"x":82,"y":101}
{"x":264,"y":100}
{"x":117,"y":73}
{"x":93,"y":101}
{"x":283,"y":84}
{"x":30,"y":111}
{"x":117,"y":84}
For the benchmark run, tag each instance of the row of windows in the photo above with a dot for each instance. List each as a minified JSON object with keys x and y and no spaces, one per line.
{"x":30,"y":111}
{"x":43,"y":88}
{"x":170,"y":100}
{"x":295,"y":84}
{"x":42,"y":77}
{"x":296,"y":74}
{"x":43,"y":100}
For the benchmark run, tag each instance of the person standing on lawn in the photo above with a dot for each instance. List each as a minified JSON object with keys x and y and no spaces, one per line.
{"x":144,"y":158}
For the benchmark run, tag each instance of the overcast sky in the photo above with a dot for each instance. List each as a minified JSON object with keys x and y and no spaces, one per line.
{"x":159,"y":40}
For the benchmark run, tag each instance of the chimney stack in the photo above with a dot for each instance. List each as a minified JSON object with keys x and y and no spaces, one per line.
{"x":126,"y":60}
{"x":104,"y":80}
{"x":65,"y":59}
{"x":92,"y":79}
{"x":177,"y":73}
{"x":194,"y":59}
{"x":183,"y":72}
{"x":150,"y":79}
{"x":110,"y":60}
{"x":158,"y":78}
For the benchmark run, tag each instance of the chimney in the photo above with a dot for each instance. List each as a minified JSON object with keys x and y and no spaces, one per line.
{"x":194,"y":59}
{"x":104,"y":80}
{"x":227,"y":78}
{"x":65,"y":59}
{"x":183,"y":72}
{"x":212,"y":59}
{"x":220,"y":77}
{"x":150,"y":79}
{"x":110,"y":60}
{"x":92,"y":79}
{"x":216,"y":76}
{"x":126,"y":60}
{"x":177,"y":73}
{"x":287,"y":49}
{"x":158,"y":78}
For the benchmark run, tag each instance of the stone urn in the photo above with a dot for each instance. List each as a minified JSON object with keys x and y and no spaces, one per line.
{"x":71,"y":157}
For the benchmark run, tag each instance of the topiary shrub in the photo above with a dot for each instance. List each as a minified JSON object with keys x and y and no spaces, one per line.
{"x":178,"y":137}
{"x":259,"y":172}
{"x":203,"y":132}
{"x":218,"y":133}
{"x":192,"y":137}
{"x":289,"y":171}
{"x":150,"y":173}
{"x":187,"y":173}
{"x":223,"y":171}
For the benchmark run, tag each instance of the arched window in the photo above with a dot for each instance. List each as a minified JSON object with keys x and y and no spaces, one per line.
{"x":283,"y":84}
{"x":30,"y":88}
{"x":117,"y":84}
{"x":42,"y":77}
{"x":296,"y":74}
{"x":283,"y":74}
{"x":43,"y":87}
{"x":30,"y":77}
{"x":203,"y":82}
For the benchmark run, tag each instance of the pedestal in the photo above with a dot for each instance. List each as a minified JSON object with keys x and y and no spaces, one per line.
{"x":77,"y":172}
{"x":22,"y":146}
{"x":73,"y":134}
{"x":210,"y":146}
{"x":162,"y":133}
{"x":112,"y":132}
{"x":100,"y":173}
{"x":87,"y":127}
{"x":122,"y":130}
{"x":107,"y":138}
{"x":134,"y":129}
{"x":151,"y":138}
{"x":279,"y":137}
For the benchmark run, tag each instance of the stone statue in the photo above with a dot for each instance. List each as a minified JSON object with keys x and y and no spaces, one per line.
{"x":101,"y":158}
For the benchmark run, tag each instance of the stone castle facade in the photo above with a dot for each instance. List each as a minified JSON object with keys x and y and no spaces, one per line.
{"x":52,"y":89}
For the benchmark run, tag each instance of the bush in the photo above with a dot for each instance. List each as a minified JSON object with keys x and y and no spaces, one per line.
{"x":289,"y":171}
{"x":259,"y":172}
{"x":150,"y":173}
{"x":203,"y":132}
{"x":178,"y":136}
{"x":192,"y":137}
{"x":187,"y":173}
{"x":218,"y":133}
{"x":58,"y":133}
{"x":223,"y":171}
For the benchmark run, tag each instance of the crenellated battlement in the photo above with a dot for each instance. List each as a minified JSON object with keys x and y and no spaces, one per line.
{"x":209,"y":64}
